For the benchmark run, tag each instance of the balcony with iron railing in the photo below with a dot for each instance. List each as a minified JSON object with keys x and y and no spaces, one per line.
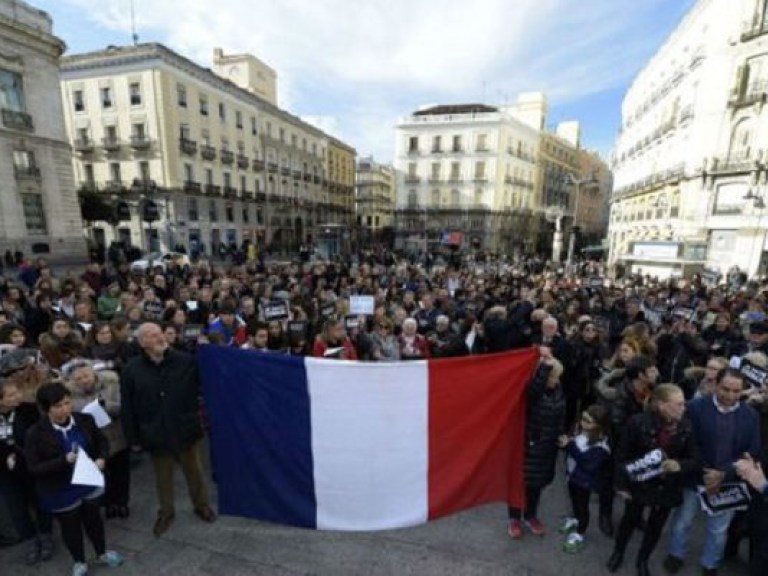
{"x":272,"y":167}
{"x":753,"y":93}
{"x":207,"y":152}
{"x":242,"y":161}
{"x":26,"y":172}
{"x":114,"y":186}
{"x":230,"y":192}
{"x":111,"y":143}
{"x":188,"y":146}
{"x":83,"y":145}
{"x":257,"y":165}
{"x":140,"y":142}
{"x":192,"y":187}
{"x":731,"y":164}
{"x":285,"y":171}
{"x":213,"y":189}
{"x":227,"y":157}
{"x":412,"y":179}
{"x":16,"y":120}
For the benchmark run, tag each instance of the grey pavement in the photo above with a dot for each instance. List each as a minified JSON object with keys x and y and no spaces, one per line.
{"x":470,"y":543}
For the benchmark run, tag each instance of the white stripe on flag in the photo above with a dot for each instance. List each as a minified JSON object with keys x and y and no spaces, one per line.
{"x":369,"y":443}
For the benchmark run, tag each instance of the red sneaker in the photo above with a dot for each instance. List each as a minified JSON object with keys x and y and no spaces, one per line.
{"x":535,"y":526}
{"x":515,"y":529}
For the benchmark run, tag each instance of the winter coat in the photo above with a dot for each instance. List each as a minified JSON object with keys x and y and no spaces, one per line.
{"x":727,"y":343}
{"x":544,"y":425}
{"x":585,"y":462}
{"x":108,"y":390}
{"x":24,"y":417}
{"x":585,"y":372}
{"x":682,"y":351}
{"x":607,"y":386}
{"x":161,"y":402}
{"x":641,"y":437}
{"x":45,"y":455}
{"x":624,"y":407}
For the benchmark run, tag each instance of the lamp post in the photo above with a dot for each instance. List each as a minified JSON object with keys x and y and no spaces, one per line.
{"x":758,"y":203}
{"x":576,"y":182}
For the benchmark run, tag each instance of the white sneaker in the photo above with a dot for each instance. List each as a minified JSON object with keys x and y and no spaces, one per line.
{"x":569,"y":525}
{"x":80,"y":569}
{"x":111,"y":558}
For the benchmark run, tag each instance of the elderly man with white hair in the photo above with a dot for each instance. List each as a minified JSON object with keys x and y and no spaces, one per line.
{"x":413,"y":346}
{"x":444,"y":342}
{"x":160,"y":393}
{"x":562,"y":350}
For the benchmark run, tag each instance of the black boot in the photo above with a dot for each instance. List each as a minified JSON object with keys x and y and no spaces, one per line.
{"x":642,"y":567}
{"x":615,"y":561}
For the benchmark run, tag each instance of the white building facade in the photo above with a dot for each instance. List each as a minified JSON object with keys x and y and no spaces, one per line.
{"x":465,"y":172}
{"x":39,"y":212}
{"x":691,"y":169}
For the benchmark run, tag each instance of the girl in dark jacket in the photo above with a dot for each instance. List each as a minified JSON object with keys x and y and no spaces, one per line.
{"x":51,"y":452}
{"x":656,"y":451}
{"x":544,"y":426}
{"x":587,"y":454}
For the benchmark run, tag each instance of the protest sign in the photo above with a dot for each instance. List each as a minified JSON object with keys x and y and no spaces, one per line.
{"x":754,"y":375}
{"x":276,"y":310}
{"x":646,"y":467}
{"x":361,"y":305}
{"x":731,"y":496}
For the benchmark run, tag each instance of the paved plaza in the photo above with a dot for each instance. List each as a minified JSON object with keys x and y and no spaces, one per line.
{"x":470,"y":543}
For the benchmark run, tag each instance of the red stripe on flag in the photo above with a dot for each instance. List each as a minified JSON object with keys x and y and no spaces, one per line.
{"x":477,"y":430}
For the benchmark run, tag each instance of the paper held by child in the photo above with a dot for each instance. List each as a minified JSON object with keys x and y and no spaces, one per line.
{"x":86,"y":473}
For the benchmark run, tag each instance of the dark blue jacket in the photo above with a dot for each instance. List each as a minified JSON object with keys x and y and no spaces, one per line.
{"x":585,"y":462}
{"x":703,"y":415}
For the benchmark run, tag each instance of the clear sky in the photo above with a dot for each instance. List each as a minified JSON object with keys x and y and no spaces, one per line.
{"x":353,"y":67}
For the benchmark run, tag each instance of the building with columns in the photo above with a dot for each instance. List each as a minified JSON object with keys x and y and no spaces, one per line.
{"x":210,"y":152}
{"x":39,"y":211}
{"x":691,"y":169}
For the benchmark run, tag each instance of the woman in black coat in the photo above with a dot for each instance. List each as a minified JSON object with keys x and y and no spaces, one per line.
{"x":588,"y":352}
{"x":51,"y":451}
{"x":657,"y":450}
{"x":544,"y":425}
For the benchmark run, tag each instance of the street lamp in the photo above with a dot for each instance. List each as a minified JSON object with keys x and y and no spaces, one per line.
{"x":576,"y":182}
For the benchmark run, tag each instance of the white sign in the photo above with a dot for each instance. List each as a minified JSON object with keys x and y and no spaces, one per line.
{"x":361,"y":305}
{"x":100,"y":415}
{"x":86,"y":473}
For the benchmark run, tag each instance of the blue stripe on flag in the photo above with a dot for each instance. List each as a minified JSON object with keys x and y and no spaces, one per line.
{"x":261,"y":439}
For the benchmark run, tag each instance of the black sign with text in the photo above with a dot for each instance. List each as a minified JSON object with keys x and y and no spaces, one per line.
{"x":276,"y":310}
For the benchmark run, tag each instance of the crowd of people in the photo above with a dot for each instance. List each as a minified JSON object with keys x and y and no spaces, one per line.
{"x":653,"y":392}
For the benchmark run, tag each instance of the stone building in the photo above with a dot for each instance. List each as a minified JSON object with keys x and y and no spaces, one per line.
{"x":39,"y":211}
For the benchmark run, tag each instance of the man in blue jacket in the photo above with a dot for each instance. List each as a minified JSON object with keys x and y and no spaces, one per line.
{"x":725,"y":430}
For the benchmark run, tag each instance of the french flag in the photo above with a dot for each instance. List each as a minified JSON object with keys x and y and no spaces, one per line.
{"x":337,"y":445}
